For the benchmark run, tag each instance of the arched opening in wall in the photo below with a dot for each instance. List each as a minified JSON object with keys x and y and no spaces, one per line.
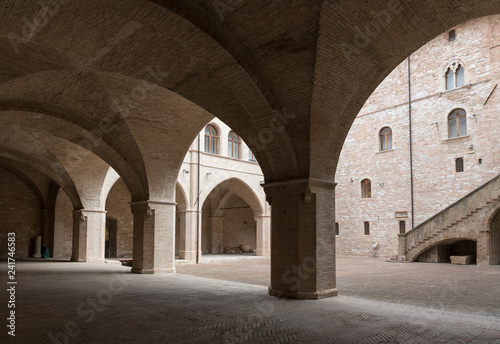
{"x":495,"y":240}
{"x":21,"y":206}
{"x":457,"y":251}
{"x":436,"y":163}
{"x":181,"y":220}
{"x":119,"y":222}
{"x":110,"y":238}
{"x":229,"y":220}
{"x":230,"y":227}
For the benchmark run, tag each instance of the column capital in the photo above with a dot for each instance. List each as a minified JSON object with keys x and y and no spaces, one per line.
{"x":189,"y":211}
{"x":89,"y":211}
{"x":152,"y":202}
{"x":145,"y":206}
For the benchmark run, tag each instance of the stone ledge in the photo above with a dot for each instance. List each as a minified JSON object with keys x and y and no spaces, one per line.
{"x":462,"y":260}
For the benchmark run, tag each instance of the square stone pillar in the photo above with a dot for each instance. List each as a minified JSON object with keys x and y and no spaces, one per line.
{"x":217,"y":234}
{"x":154,"y":237}
{"x":263,"y":229}
{"x":89,"y":235}
{"x":188,"y":234}
{"x":302,"y":238}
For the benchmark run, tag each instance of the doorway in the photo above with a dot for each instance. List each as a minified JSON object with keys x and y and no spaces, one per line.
{"x":110,"y":241}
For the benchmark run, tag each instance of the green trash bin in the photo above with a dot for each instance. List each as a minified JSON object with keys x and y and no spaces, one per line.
{"x":45,"y":252}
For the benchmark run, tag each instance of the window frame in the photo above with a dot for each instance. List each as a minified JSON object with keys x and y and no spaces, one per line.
{"x":454,"y":116}
{"x":454,"y":67}
{"x":233,"y":141}
{"x":402,"y":227}
{"x":366,"y":228}
{"x":366,"y":188}
{"x":251,"y":156}
{"x":452,"y":35}
{"x":213,"y":139}
{"x":459,"y":165}
{"x":384,"y":135}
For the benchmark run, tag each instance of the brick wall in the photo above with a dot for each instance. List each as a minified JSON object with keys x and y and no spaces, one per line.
{"x":117,"y":207}
{"x":20,"y":213}
{"x":436,"y":184}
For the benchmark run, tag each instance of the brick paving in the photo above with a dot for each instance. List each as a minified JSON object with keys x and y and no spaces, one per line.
{"x":226,"y":302}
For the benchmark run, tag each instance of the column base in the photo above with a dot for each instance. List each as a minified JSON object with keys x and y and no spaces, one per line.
{"x":152,"y":271}
{"x":187,"y":255}
{"x":263,"y":253}
{"x":82,"y":260}
{"x":303,"y":295}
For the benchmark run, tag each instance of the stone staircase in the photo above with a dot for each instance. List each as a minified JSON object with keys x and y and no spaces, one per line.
{"x":463,"y":219}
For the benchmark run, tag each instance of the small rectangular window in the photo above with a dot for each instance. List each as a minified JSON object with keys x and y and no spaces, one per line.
{"x":480,"y":161}
{"x":367,"y":228}
{"x":452,"y":36}
{"x":459,"y":165}
{"x":402,"y":227}
{"x":337,"y":228}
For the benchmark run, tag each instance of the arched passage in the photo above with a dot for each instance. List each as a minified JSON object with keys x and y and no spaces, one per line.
{"x":119,"y":220}
{"x":274,"y":79}
{"x":495,"y":239}
{"x":444,"y":250}
{"x":233,"y":221}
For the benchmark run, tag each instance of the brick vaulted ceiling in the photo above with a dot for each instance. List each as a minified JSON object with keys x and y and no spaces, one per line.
{"x":135,"y":81}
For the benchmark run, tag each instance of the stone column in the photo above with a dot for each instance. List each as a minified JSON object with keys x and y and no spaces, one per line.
{"x":154,"y":237}
{"x":302,"y":239}
{"x":38,"y":247}
{"x":402,"y":238}
{"x":484,"y":248}
{"x":263,"y":229}
{"x":217,"y":234}
{"x":188,"y":238}
{"x":89,"y":231}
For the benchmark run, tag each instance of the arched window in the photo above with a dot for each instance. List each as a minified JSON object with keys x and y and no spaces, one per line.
{"x":457,"y":123}
{"x":233,"y":145}
{"x":366,"y":188}
{"x":251,"y":156}
{"x":211,"y":139}
{"x":455,"y":75}
{"x":385,"y":139}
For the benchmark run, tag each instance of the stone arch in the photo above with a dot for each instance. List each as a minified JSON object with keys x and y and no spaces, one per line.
{"x":440,"y":251}
{"x":109,"y":181}
{"x":238,"y":187}
{"x":21,"y":210}
{"x":494,"y":237}
{"x":230,"y":214}
{"x":26,"y":179}
{"x":182,"y":220}
{"x":25,"y":149}
{"x":60,"y":122}
{"x":119,"y":218}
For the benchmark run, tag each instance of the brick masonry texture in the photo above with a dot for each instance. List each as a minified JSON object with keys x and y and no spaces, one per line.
{"x":20,"y":213}
{"x":126,"y":86}
{"x":436,"y":184}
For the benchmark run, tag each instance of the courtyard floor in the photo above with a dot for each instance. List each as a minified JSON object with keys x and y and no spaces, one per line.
{"x":225,"y":301}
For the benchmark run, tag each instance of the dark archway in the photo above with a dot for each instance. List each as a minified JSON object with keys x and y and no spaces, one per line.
{"x":495,"y":240}
{"x":111,"y":237}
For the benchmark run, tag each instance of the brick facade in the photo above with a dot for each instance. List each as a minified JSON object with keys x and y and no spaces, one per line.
{"x":436,"y":184}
